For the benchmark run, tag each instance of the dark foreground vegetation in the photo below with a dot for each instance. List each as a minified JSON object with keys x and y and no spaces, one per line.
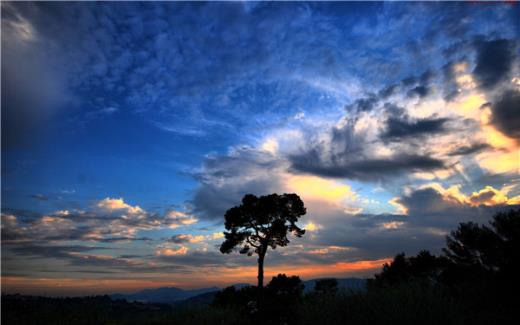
{"x":474,"y":281}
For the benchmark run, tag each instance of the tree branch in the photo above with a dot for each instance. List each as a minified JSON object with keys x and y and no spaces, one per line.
{"x":250,"y":243}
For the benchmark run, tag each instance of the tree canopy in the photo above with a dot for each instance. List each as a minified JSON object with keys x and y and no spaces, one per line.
{"x":476,"y":256}
{"x":262,"y":222}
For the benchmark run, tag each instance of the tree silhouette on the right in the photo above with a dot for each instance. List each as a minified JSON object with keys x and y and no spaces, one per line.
{"x":424,"y":267}
{"x":493,"y":249}
{"x":475,"y":254}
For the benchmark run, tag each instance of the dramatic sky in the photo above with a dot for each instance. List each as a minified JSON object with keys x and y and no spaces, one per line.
{"x":128,"y":130}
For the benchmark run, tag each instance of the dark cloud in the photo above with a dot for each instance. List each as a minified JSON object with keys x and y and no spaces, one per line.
{"x":430,"y":208}
{"x":397,"y":128}
{"x":179,"y":239}
{"x":52,"y":251}
{"x":409,"y":81}
{"x":494,"y":61}
{"x":387,"y":91}
{"x":471,"y":149}
{"x":430,"y":217}
{"x":506,"y":113}
{"x":368,"y":238}
{"x":419,"y":86}
{"x":497,"y":180}
{"x":364,"y":104}
{"x":364,"y":169}
{"x":76,"y":255}
{"x":420,"y":91}
{"x":224,"y":180}
{"x":347,"y":153}
{"x":122,"y":239}
{"x":206,"y":259}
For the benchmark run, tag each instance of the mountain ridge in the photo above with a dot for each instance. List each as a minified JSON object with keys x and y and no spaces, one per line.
{"x":174,"y":295}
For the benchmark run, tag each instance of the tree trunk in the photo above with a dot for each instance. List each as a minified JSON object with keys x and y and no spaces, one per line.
{"x":261,"y":270}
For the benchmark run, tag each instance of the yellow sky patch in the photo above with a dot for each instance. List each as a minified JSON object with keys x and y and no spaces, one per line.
{"x":312,"y":187}
{"x":488,"y":196}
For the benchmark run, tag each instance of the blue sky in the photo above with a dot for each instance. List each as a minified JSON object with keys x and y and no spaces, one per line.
{"x":129,"y":128}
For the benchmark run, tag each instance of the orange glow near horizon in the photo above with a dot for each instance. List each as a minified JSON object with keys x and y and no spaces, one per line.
{"x":209,"y":277}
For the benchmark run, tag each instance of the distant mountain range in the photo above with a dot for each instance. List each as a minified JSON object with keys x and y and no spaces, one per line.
{"x":166,"y":295}
{"x":177,"y":296}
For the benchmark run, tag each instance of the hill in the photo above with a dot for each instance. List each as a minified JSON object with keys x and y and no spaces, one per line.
{"x":166,"y":295}
{"x":204,"y":296}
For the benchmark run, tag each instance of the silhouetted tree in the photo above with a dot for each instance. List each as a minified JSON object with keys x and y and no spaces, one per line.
{"x":472,"y":245}
{"x":326,"y":286}
{"x":480,"y":265}
{"x":230,"y":296}
{"x":282,"y":285}
{"x":491,"y":248}
{"x":480,"y":252}
{"x":283,"y":295}
{"x":393,"y":273}
{"x":427,"y":266}
{"x":424,"y":266}
{"x":262,"y":222}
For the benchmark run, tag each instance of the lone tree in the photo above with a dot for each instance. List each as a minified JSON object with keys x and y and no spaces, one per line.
{"x":262,"y":222}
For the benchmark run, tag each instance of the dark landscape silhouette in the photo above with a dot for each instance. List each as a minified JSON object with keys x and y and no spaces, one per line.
{"x":474,"y":281}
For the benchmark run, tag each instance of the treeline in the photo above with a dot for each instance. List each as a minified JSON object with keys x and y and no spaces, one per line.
{"x":19,"y":310}
{"x":474,"y":281}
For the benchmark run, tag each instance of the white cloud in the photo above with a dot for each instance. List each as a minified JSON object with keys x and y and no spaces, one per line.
{"x":183,"y":250}
{"x":110,"y":204}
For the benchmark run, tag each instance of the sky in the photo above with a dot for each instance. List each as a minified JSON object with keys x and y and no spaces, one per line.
{"x":128,"y":129}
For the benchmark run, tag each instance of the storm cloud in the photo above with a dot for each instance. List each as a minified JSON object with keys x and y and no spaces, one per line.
{"x":397,"y":128}
{"x":506,"y":113}
{"x":494,"y":61}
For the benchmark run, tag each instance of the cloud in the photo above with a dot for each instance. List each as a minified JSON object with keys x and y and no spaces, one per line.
{"x":494,"y":61}
{"x":224,"y":180}
{"x":327,"y":250}
{"x":368,"y":169}
{"x":316,"y":188}
{"x":183,"y":250}
{"x":506,"y":113}
{"x":397,"y":128}
{"x":392,"y":224}
{"x":186,"y":238}
{"x":112,"y":220}
{"x":490,"y":196}
{"x":366,"y":103}
{"x":445,"y":207}
{"x":179,"y":218}
{"x":195,"y":239}
{"x":54,"y":251}
{"x":110,"y":205}
{"x":470,"y":149}
{"x":430,"y":213}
